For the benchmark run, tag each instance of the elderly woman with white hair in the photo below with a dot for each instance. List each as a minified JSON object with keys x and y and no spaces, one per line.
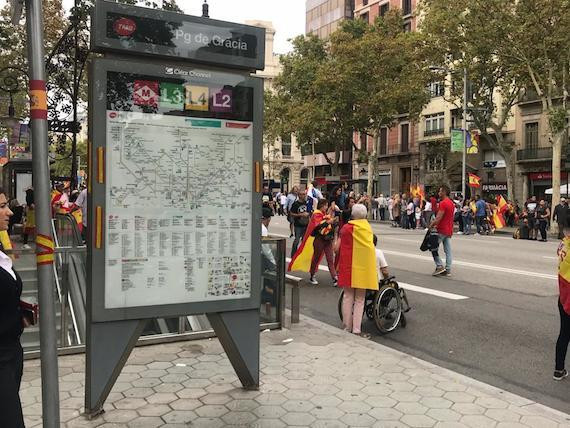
{"x":356,"y":268}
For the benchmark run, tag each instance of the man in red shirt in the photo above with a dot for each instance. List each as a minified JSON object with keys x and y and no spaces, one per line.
{"x":444,"y":224}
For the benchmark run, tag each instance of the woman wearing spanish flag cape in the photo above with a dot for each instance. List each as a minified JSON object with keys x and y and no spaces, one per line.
{"x":356,"y":268}
{"x":317,"y":243}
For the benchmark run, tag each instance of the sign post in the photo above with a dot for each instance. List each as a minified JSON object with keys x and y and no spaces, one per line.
{"x":44,"y":239}
{"x":175,"y":123}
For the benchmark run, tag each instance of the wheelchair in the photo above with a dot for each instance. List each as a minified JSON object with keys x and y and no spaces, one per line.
{"x":386,"y":307}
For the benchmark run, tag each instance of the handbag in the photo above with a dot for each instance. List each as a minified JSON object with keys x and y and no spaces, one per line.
{"x":430,"y":242}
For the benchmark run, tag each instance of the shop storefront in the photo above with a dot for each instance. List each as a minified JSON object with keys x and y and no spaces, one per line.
{"x":538,"y":182}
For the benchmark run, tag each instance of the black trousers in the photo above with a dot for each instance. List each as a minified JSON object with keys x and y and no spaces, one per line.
{"x":563,"y":338}
{"x":11,"y":367}
{"x":542,"y":226}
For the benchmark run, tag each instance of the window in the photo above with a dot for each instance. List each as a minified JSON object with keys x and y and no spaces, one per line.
{"x":407,"y":26}
{"x":364,"y":17}
{"x":286,"y":146}
{"x":435,"y":163}
{"x":531,"y":135}
{"x":434,"y":124}
{"x":384,"y":9}
{"x":383,"y":143}
{"x":405,"y":137}
{"x":436,"y":89}
{"x":304,"y":177}
{"x":406,"y":7}
{"x":363,"y":141}
{"x":364,"y":2}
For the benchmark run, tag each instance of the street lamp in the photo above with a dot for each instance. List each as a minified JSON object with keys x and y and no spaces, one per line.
{"x":464,"y":126}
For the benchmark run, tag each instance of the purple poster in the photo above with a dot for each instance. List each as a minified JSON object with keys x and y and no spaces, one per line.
{"x":222,"y":100}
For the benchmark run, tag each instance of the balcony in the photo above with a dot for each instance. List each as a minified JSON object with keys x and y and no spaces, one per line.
{"x":534,"y":154}
{"x":434,"y":132}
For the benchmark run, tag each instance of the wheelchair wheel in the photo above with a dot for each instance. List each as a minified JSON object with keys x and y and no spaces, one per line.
{"x":340,"y":304}
{"x":387,"y":309}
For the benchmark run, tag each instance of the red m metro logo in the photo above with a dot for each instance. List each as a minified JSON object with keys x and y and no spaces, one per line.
{"x":145,"y":93}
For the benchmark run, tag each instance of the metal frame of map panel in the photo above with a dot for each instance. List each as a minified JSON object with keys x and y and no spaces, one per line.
{"x":202,"y":39}
{"x":97,"y":196}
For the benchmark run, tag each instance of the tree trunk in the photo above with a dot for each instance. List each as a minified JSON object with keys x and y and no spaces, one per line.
{"x":556,"y":159}
{"x":510,"y":172}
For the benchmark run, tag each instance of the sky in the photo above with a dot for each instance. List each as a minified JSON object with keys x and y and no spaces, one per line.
{"x":288,"y":16}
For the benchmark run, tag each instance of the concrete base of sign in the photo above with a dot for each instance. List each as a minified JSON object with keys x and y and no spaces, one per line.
{"x":239,"y":336}
{"x":109,"y":345}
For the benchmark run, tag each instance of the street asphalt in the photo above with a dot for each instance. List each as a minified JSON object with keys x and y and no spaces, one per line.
{"x":503,"y":325}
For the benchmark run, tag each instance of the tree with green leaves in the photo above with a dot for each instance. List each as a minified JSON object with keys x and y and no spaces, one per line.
{"x":538,"y":52}
{"x":466,"y":34}
{"x":314,"y":100}
{"x":395,"y":58}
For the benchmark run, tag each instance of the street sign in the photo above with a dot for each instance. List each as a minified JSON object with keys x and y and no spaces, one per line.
{"x":143,"y":31}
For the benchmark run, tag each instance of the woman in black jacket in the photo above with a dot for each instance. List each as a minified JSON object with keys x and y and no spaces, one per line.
{"x":11,"y":325}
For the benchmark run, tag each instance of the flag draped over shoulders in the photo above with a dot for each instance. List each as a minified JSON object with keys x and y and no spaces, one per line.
{"x":357,"y":256}
{"x":564,"y":273}
{"x":301,"y":260}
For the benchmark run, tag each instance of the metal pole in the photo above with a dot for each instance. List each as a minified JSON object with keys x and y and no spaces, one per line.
{"x":463,"y":167}
{"x":75,"y":100}
{"x":314,"y":161}
{"x":38,"y":121}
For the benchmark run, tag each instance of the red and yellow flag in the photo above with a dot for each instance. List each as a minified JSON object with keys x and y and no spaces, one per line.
{"x":357,"y":256}
{"x":502,"y":204}
{"x":498,"y":219}
{"x":564,"y":273}
{"x":301,"y":260}
{"x":474,"y":181}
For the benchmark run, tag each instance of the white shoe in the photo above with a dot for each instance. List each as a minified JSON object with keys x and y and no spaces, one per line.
{"x":313,"y":281}
{"x":460,"y":233}
{"x":26,"y":247}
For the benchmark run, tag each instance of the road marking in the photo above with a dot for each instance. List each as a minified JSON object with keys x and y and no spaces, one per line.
{"x":430,"y":291}
{"x":550,"y":257}
{"x":477,"y":266}
{"x":417,"y":289}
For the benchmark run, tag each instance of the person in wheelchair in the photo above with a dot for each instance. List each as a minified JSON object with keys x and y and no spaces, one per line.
{"x":381,"y":268}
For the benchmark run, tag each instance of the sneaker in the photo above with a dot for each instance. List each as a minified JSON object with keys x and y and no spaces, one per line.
{"x":446,"y":273}
{"x":26,"y":247}
{"x":438,"y":271}
{"x":313,"y":281}
{"x":335,"y":282}
{"x":460,"y":233}
{"x":560,"y":374}
{"x":291,"y":236}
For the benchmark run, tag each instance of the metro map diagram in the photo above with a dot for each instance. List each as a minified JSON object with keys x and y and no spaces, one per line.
{"x":178,"y":165}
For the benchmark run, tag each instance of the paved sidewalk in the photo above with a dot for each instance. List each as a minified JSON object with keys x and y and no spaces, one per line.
{"x":322,"y":378}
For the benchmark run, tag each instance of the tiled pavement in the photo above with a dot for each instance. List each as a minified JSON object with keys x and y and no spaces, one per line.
{"x":322,"y":378}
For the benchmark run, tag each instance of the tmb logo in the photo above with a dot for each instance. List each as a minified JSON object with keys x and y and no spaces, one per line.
{"x":124,"y":27}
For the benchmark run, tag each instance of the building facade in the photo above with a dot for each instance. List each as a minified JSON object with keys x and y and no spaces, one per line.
{"x":324,"y":16}
{"x":283,"y":165}
{"x":534,"y":150}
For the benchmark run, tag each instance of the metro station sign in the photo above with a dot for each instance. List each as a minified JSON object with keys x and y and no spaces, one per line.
{"x":143,"y":31}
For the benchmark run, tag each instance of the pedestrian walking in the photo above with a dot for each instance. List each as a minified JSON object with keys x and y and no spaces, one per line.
{"x":411,"y":214}
{"x":375,"y":207}
{"x":542,"y":216}
{"x":427,"y":213}
{"x":560,"y":371}
{"x":480,"y":214}
{"x":443,"y":222}
{"x":561,"y":216}
{"x":466,"y":218}
{"x":300,"y":218}
{"x":357,"y":268}
{"x":12,"y":323}
{"x":382,"y":205}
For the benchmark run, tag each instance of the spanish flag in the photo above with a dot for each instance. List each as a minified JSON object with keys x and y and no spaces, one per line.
{"x":474,"y":181}
{"x":357,"y":256}
{"x":302,"y":258}
{"x":564,"y":273}
{"x":502,"y":204}
{"x":498,"y":219}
